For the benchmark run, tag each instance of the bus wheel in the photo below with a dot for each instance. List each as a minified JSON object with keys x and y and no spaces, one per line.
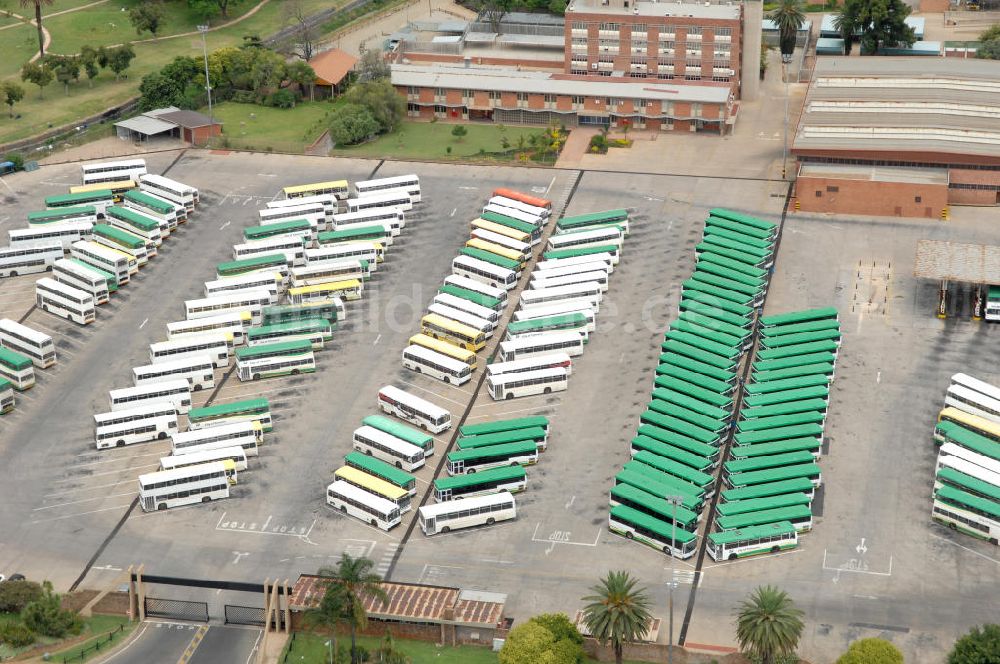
{"x":953,"y":526}
{"x":509,"y":397}
{"x":120,"y":443}
{"x":398,"y":463}
{"x":445,"y":529}
{"x":732,"y":556}
{"x":161,"y":436}
{"x":470,"y":471}
{"x":547,"y":390}
{"x":161,"y":506}
{"x":628,"y":536}
{"x":343,"y":508}
{"x":206,"y":499}
{"x":295,"y":372}
{"x":447,"y":380}
{"x":368,"y":452}
{"x":256,"y":376}
{"x":775,"y":549}
{"x":373,"y":523}
{"x":13,"y":273}
{"x":197,"y":387}
{"x":490,"y":521}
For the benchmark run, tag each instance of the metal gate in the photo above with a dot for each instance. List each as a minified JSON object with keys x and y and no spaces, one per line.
{"x":177,"y":609}
{"x":249,"y":615}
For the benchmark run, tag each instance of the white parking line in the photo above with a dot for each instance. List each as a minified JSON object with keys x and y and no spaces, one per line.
{"x":109,"y":472}
{"x":99,"y":486}
{"x":103,"y":509}
{"x":424,"y":389}
{"x":82,"y":500}
{"x":507,"y":412}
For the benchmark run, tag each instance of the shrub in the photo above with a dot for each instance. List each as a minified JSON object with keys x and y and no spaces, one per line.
{"x":281,"y":99}
{"x":352,"y":124}
{"x":244,"y":96}
{"x":45,"y":616}
{"x":871,"y":651}
{"x":16,"y":635}
{"x":15,"y":595}
{"x":978,"y":646}
{"x":599,"y":143}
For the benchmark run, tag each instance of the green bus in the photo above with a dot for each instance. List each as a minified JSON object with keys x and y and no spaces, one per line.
{"x":63,"y":214}
{"x":692,"y":359}
{"x":109,"y":278}
{"x":472,"y":296}
{"x":798,"y":328}
{"x":511,"y":479}
{"x":754,"y":292}
{"x":738,"y":227}
{"x":800,"y":338}
{"x":768,"y":461}
{"x":786,"y":396}
{"x":497,"y":426}
{"x":688,"y":389}
{"x":737,"y":330}
{"x":822,"y":368}
{"x":694,"y":310}
{"x":715,"y":258}
{"x":478,"y":459}
{"x":794,"y":485}
{"x":794,"y":361}
{"x":372,"y":233}
{"x":490,"y":257}
{"x":677,"y":346}
{"x":141,"y":223}
{"x":276,"y":262}
{"x":746,"y":219}
{"x":645,"y":443}
{"x":147,"y":202}
{"x":710,"y":288}
{"x":16,"y":369}
{"x":678,"y":440}
{"x":247,"y":410}
{"x":807,"y":444}
{"x":745,"y":542}
{"x":680,"y":426}
{"x":575,"y":322}
{"x":274,"y":314}
{"x":798,"y":349}
{"x":765,"y":387}
{"x":776,"y":421}
{"x":763,"y":504}
{"x":744,"y":313}
{"x":654,"y":506}
{"x":311,"y":329}
{"x":592,"y":219}
{"x":685,"y":326}
{"x":949,"y":432}
{"x":99,"y":198}
{"x":659,"y":484}
{"x":584,"y":251}
{"x":787,"y":408}
{"x":382,"y":470}
{"x":800,"y":516}
{"x":742,"y":238}
{"x":713,"y":251}
{"x":291,"y":226}
{"x":523,"y":226}
{"x":779,"y":433}
{"x":402,"y":431}
{"x":280,"y":349}
{"x":123,"y":239}
{"x":691,"y":403}
{"x":537,"y":435}
{"x":802,"y":316}
{"x":681,"y":471}
{"x":630,"y":523}
{"x":685,"y":380}
{"x":810,"y":471}
{"x":704,"y":422}
{"x":764,"y":255}
{"x":965,"y":482}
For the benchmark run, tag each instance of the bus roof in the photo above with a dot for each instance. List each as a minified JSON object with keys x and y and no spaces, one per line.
{"x":796,"y":328}
{"x":254,"y":263}
{"x":510,"y":222}
{"x":762,"y":462}
{"x":786,"y":408}
{"x":798,"y":316}
{"x":785,"y":396}
{"x":778,"y":433}
{"x":678,"y":347}
{"x":691,"y":378}
{"x":666,"y":451}
{"x":664,"y":531}
{"x":501,"y":438}
{"x":132,"y":217}
{"x":969,"y":501}
{"x":490,"y":257}
{"x":774,"y":474}
{"x":593,"y":218}
{"x":63,"y":200}
{"x":472,"y":296}
{"x":794,"y":361}
{"x":13,"y":359}
{"x":752,"y":533}
{"x":119,"y":236}
{"x":969,"y":439}
{"x":580,"y":251}
{"x":683,"y":427}
{"x":749,"y":519}
{"x":302,"y":326}
{"x":522,"y":447}
{"x":807,"y":443}
{"x":81,"y":210}
{"x":761,"y":504}
{"x":970,"y":482}
{"x":259,"y":405}
{"x":744,"y":219}
{"x":380,"y":468}
{"x":783,"y":420}
{"x":266,"y":230}
{"x":532,"y":324}
{"x":780,"y":385}
{"x":796,"y":484}
{"x":691,"y":390}
{"x":399,"y":430}
{"x":684,"y":517}
{"x":137,"y":196}
{"x":497,"y":426}
{"x":677,"y":440}
{"x":509,"y":473}
{"x":695,"y":364}
{"x":370,"y":482}
{"x":808,"y":347}
{"x":111,"y":279}
{"x":268,"y":350}
{"x":374,"y":230}
{"x":661,"y":484}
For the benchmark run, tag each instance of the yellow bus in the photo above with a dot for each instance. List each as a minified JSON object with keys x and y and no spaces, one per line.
{"x":445,"y":348}
{"x":348,"y":289}
{"x":980,"y":425}
{"x":500,"y":229}
{"x":338,"y":188}
{"x":440,"y":327}
{"x":375,"y":485}
{"x":118,"y":188}
{"x":499,"y":250}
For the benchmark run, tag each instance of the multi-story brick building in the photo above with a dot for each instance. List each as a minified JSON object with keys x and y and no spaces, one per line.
{"x":660,"y":65}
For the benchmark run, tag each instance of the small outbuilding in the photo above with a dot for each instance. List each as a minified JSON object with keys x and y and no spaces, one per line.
{"x":171,"y":122}
{"x":332,"y":68}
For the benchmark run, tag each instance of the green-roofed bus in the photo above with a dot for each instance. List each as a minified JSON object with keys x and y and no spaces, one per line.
{"x":630,"y":523}
{"x":751,"y":260}
{"x":247,"y":410}
{"x":332,"y":311}
{"x":692,"y":391}
{"x":120,"y":240}
{"x":402,"y":431}
{"x":811,"y":471}
{"x":746,"y":219}
{"x":787,"y":384}
{"x":691,"y":403}
{"x":6,"y":396}
{"x":536,"y":434}
{"x":741,"y":543}
{"x":691,"y":359}
{"x":316,"y":331}
{"x":705,"y":422}
{"x":497,"y":426}
{"x":494,"y":259}
{"x":382,"y":470}
{"x":739,"y":227}
{"x":591,"y":219}
{"x":677,"y":440}
{"x":524,"y":453}
{"x":472,"y":296}
{"x":794,"y":485}
{"x":510,"y":479}
{"x":99,"y":200}
{"x":766,"y":461}
{"x":704,"y":481}
{"x":532,"y":230}
{"x":16,"y":369}
{"x":794,"y":361}
{"x":301,"y":228}
{"x":666,"y":451}
{"x":802,"y":316}
{"x":675,"y":346}
{"x":660,"y":484}
{"x":787,"y":408}
{"x":776,"y":421}
{"x":654,"y":506}
{"x":967,"y":513}
{"x":779,"y":433}
{"x":683,"y":427}
{"x":127,"y":219}
{"x":809,"y":444}
{"x":800,"y":516}
{"x":763,"y":504}
{"x":591,"y":250}
{"x":152,"y":206}
{"x":709,"y":289}
{"x":786,"y":396}
{"x":64,"y":215}
{"x":768,"y":354}
{"x":692,"y":379}
{"x":266,"y":263}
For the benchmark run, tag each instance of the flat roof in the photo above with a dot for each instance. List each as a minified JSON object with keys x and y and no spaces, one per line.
{"x":539,"y":82}
{"x":902,"y":104}
{"x":647,"y":8}
{"x":146,"y":125}
{"x":956,"y":261}
{"x":876,"y":173}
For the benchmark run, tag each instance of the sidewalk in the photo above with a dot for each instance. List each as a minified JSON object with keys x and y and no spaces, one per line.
{"x":576,"y":147}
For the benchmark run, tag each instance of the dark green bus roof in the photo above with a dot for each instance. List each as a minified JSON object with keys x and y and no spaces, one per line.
{"x":490,"y":257}
{"x":798,"y":484}
{"x":508,"y":424}
{"x":794,"y":361}
{"x":663,"y":531}
{"x":504,"y":473}
{"x":750,"y":519}
{"x":666,"y":451}
{"x":147,"y":201}
{"x":752,"y":533}
{"x":760,"y":504}
{"x":244,"y":407}
{"x":296,"y":347}
{"x":768,"y":461}
{"x":535,"y":434}
{"x":132,"y":218}
{"x":472,"y":296}
{"x":678,"y":440}
{"x":785,"y":396}
{"x":808,"y":444}
{"x":711,"y":397}
{"x":778,"y":433}
{"x":799,"y":316}
{"x":786,"y":408}
{"x":42,"y":215}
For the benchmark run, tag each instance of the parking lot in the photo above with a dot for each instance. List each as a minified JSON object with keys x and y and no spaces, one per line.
{"x":873,"y":565}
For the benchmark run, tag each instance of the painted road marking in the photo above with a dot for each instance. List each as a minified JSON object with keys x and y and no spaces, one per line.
{"x":143,"y":323}
{"x":265,"y":528}
{"x":224,"y":225}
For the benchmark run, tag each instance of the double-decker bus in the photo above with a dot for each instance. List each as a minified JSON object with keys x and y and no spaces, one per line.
{"x":510,"y":424}
{"x":332,"y":311}
{"x":974,"y":396}
{"x":171,"y":190}
{"x":346,"y":289}
{"x":15,"y":261}
{"x":588,"y":291}
{"x":397,"y":200}
{"x":268,"y":263}
{"x":198,"y":371}
{"x":468,"y":306}
{"x":387,"y":447}
{"x":468,"y":513}
{"x":126,"y":242}
{"x":183,"y":486}
{"x":245,"y":410}
{"x":298,"y":228}
{"x":413,"y":409}
{"x":537,"y":345}
{"x":177,"y":393}
{"x":328,"y":201}
{"x":511,"y":479}
{"x":272,"y":282}
{"x":252,"y":301}
{"x":118,"y":188}
{"x":533,"y":231}
{"x":476,"y":291}
{"x":527,"y":383}
{"x":572,"y":322}
{"x":407,"y":183}
{"x":65,"y":301}
{"x":234,"y":458}
{"x":292,"y":247}
{"x":31,"y":343}
{"x":65,"y":234}
{"x":17,"y":369}
{"x":396,"y":219}
{"x":520,"y":206}
{"x":83,"y":277}
{"x":153,"y":207}
{"x":319,"y":273}
{"x":364,"y":232}
{"x":499,"y":230}
{"x":100,"y":200}
{"x":109,"y":171}
{"x":140,"y":424}
{"x":967,"y":513}
{"x":484,"y":325}
{"x":6,"y":396}
{"x":338,"y":188}
{"x":248,"y":436}
{"x":236,"y":324}
{"x":372,"y":252}
{"x":103,"y":258}
{"x":375,"y":485}
{"x":592,"y":219}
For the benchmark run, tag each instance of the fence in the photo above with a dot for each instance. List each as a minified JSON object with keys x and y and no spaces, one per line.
{"x":103,"y":641}
{"x":177,"y":609}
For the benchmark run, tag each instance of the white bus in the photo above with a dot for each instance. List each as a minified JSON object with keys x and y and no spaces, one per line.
{"x":271,"y":367}
{"x":15,"y":261}
{"x":523,"y":248}
{"x":17,"y":369}
{"x":436,"y":365}
{"x":198,"y":371}
{"x":388,"y":448}
{"x":293,"y":249}
{"x":413,"y":409}
{"x":459,"y":316}
{"x":536,"y":363}
{"x":467,"y":513}
{"x":234,"y":323}
{"x":503,"y":201}
{"x":477,"y":286}
{"x":526,"y":217}
{"x":370,"y":231}
{"x":408,"y":183}
{"x":320,"y":273}
{"x":314,"y":213}
{"x":65,"y":234}
{"x":346,"y":251}
{"x":272,"y":282}
{"x":74,"y":274}
{"x":151,"y":229}
{"x":326,"y":291}
{"x":972,"y":402}
{"x":328,"y":201}
{"x":471,"y":308}
{"x":589,"y":291}
{"x":130,"y":425}
{"x":252,"y":301}
{"x":395,"y":218}
{"x":527,"y":383}
{"x":171,"y":190}
{"x":177,"y":393}
{"x":970,"y":468}
{"x":139,"y":253}
{"x":164,"y":212}
{"x":581,"y":307}
{"x":113,"y":171}
{"x":605,"y":258}
{"x":28,"y":342}
{"x":487,"y":273}
{"x":570,"y":343}
{"x":6,"y":396}
{"x":571,"y":269}
{"x":234,"y":458}
{"x":65,"y":301}
{"x":181,"y":213}
{"x":183,"y":486}
{"x":396,"y":200}
{"x":245,"y":435}
{"x":103,"y":258}
{"x":360,"y":504}
{"x":959,"y":452}
{"x":216,"y":345}
{"x":545,"y":281}
{"x":580,"y":239}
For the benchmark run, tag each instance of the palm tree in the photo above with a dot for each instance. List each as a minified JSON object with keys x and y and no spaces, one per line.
{"x":38,"y":20}
{"x":354,"y":582}
{"x":768,"y":624}
{"x":788,"y":18}
{"x":617,"y":611}
{"x":845,"y":21}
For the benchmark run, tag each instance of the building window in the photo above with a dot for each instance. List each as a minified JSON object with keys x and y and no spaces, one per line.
{"x":604,"y":73}
{"x":413,"y":108}
{"x":411,"y":90}
{"x":833,"y":189}
{"x":522,"y":96}
{"x":665,"y":77}
{"x":440,"y":109}
{"x":692,"y":77}
{"x":696,"y":110}
{"x":610,"y":26}
{"x":550,"y":99}
{"x":819,"y":194}
{"x":605,"y":58}
{"x":579,"y":25}
{"x":580,"y":41}
{"x":439,"y":92}
{"x":918,"y":199}
{"x":638,"y":27}
{"x":577,"y":100}
{"x":694,"y":30}
{"x":720,"y":79}
{"x":494,"y":95}
{"x":467,"y":93}
{"x":724,"y":31}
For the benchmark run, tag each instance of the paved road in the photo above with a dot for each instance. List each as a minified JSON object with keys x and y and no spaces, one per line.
{"x":230,"y":645}
{"x":156,"y":642}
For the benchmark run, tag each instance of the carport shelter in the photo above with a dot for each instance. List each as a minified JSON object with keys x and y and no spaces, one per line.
{"x":190,"y":126}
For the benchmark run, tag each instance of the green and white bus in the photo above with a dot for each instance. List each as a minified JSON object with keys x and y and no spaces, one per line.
{"x":371,"y":232}
{"x":320,"y":273}
{"x":770,"y":227}
{"x":699,"y":406}
{"x":703,"y":481}
{"x":82,"y":277}
{"x":819,"y":368}
{"x":777,"y":421}
{"x":654,"y":506}
{"x":470,"y":512}
{"x":151,"y":206}
{"x":810,"y":471}
{"x":767,"y":354}
{"x":710,"y":289}
{"x":402,"y":431}
{"x":537,"y":434}
{"x":630,"y":523}
{"x":246,"y":410}
{"x":6,"y":396}
{"x":119,"y":240}
{"x":271,"y":367}
{"x":677,"y":346}
{"x":300,"y":228}
{"x":704,"y":422}
{"x":592,"y":250}
{"x":672,"y":376}
{"x":751,"y":492}
{"x":533,"y":326}
{"x":580,"y":221}
{"x":534,"y":231}
{"x":332,"y":311}
{"x":389,"y":448}
{"x":316,"y":331}
{"x":741,"y":543}
{"x":802,"y":316}
{"x":779,"y":433}
{"x":678,"y":440}
{"x":127,"y":219}
{"x":498,"y":426}
{"x":476,"y":460}
{"x":105,"y":259}
{"x":767,"y":399}
{"x":683,"y":427}
{"x":778,"y":447}
{"x":794,"y":361}
{"x":698,"y":362}
{"x":766,"y":461}
{"x":660,"y":484}
{"x":967,"y":513}
{"x":267,"y":263}
{"x":63,"y":215}
{"x":17,"y":369}
{"x":382,"y":470}
{"x":688,"y":390}
{"x":781,"y":341}
{"x":751,"y":505}
{"x":99,"y":200}
{"x":671,"y":453}
{"x":273,"y":350}
{"x":737,"y":255}
{"x":368,"y":507}
{"x":787,"y":384}
{"x":511,"y":479}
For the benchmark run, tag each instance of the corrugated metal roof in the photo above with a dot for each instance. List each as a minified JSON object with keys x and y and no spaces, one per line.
{"x":955,"y":261}
{"x":146,"y":125}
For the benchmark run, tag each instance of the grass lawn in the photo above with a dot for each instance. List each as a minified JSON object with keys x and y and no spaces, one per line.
{"x":427,"y":140}
{"x":19,"y":44}
{"x":96,"y":625}
{"x":284,"y":130}
{"x":99,"y":626}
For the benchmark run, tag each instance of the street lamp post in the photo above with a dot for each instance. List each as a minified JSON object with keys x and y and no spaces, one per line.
{"x":203,"y":29}
{"x":784,"y":139}
{"x":330,"y":643}
{"x":673,"y":500}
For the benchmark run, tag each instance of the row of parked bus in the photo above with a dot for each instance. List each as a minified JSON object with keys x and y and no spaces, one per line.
{"x":773,"y":472}
{"x":658,"y":495}
{"x":966,"y":494}
{"x":22,"y":349}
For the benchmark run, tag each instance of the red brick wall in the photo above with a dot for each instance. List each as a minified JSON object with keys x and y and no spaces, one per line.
{"x":972,"y":197}
{"x":883,"y":199}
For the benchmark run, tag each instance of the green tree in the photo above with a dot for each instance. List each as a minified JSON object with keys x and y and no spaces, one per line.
{"x":882,"y":23}
{"x":301,"y":74}
{"x":617,"y":612}
{"x":871,"y":651}
{"x":37,"y":6}
{"x":12,"y":93}
{"x":845,"y":21}
{"x":15,"y":595}
{"x":120,"y":58}
{"x":991,"y":33}
{"x":387,"y":653}
{"x":459,"y":132}
{"x":980,"y":646}
{"x":88,"y":59}
{"x":372,"y":66}
{"x":267,"y":71}
{"x":768,"y":624}
{"x":788,"y":18}
{"x":16,"y":635}
{"x":37,"y":73}
{"x":147,"y":17}
{"x":381,"y":99}
{"x":66,"y":68}
{"x":493,"y":11}
{"x":211,"y":8}
{"x":356,"y":583}
{"x":329,"y":614}
{"x":159,"y":91}
{"x":46,"y":616}
{"x":989,"y":50}
{"x":560,"y":625}
{"x":528,"y":642}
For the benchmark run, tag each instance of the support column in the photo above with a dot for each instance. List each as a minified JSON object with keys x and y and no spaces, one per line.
{"x":140,"y":592}
{"x":753,"y":14}
{"x":132,"y":612}
{"x":978,"y":302}
{"x":288,"y":608}
{"x":942,"y":309}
